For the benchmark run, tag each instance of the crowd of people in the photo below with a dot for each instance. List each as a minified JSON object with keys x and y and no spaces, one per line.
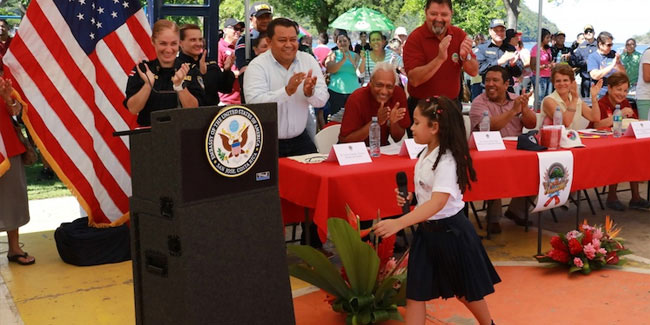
{"x":413,"y":83}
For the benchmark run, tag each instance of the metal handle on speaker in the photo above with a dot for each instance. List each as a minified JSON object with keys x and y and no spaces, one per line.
{"x":156,"y":263}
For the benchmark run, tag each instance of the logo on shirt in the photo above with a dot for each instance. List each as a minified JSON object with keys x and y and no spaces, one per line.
{"x":234,"y":141}
{"x":455,"y":57}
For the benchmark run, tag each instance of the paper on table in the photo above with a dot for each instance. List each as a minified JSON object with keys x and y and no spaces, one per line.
{"x":390,"y":150}
{"x":311,"y":158}
{"x":595,"y":132}
{"x":509,"y":138}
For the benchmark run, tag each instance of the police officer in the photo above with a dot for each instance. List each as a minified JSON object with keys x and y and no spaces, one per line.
{"x":208,"y":74}
{"x":579,"y":59}
{"x":165,"y":82}
{"x":498,"y":52}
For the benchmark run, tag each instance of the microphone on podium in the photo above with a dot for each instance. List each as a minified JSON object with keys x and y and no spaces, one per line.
{"x":401,"y":180}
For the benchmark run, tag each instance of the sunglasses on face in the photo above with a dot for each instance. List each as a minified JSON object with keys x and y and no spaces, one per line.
{"x":608,"y":44}
{"x":589,"y":31}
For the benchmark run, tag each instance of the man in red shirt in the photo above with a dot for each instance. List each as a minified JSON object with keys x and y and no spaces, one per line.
{"x":435,"y":54}
{"x":382,"y":98}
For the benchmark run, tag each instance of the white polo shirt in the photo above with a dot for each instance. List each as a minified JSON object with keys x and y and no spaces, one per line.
{"x":443,"y":179}
{"x":264,"y":82}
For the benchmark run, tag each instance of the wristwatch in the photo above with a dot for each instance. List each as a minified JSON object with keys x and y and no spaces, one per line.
{"x":178,"y":88}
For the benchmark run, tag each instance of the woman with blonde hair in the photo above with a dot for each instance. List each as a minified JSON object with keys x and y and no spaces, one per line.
{"x":165,"y":82}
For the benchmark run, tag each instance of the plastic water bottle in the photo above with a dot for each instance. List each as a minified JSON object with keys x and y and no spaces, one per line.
{"x":374,"y":137}
{"x":557,"y":116}
{"x":617,"y":127}
{"x":558,"y":58}
{"x":484,"y":126}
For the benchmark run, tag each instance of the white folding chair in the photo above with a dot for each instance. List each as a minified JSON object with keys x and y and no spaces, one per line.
{"x":468,"y":130}
{"x":327,"y":137}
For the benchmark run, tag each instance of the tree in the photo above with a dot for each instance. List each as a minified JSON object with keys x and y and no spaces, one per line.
{"x":473,"y":16}
{"x":512,"y":9}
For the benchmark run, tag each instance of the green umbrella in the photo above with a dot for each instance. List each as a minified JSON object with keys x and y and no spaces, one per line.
{"x":362,"y":19}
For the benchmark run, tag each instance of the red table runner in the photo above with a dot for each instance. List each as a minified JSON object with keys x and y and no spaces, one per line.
{"x":326,"y":187}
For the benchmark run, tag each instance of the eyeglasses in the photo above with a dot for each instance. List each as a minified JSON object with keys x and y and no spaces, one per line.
{"x":609,"y":44}
{"x":589,"y":31}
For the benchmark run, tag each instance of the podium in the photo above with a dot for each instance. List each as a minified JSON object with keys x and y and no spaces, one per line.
{"x":206,"y":228}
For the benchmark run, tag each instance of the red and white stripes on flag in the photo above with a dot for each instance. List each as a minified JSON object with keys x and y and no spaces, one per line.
{"x":75,"y":96}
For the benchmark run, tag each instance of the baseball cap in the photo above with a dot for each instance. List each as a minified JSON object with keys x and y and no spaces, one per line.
{"x":230,"y":22}
{"x":497,"y":22}
{"x":260,"y":8}
{"x":570,"y":139}
{"x":560,"y":33}
{"x":400,"y":31}
{"x":588,"y":26}
{"x":528,"y":141}
{"x":510,"y":33}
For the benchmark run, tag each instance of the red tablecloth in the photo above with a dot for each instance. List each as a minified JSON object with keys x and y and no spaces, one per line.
{"x":327,"y":187}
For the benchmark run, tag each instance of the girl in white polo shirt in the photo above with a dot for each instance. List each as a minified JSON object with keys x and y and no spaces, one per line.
{"x":447,"y":258}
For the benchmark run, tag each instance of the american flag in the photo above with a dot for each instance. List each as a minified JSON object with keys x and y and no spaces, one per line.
{"x":70,"y":61}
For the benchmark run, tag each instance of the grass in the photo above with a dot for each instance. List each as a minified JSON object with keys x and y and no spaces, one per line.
{"x":39,"y":187}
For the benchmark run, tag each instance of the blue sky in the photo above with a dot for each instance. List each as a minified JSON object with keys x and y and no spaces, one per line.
{"x":623,"y":19}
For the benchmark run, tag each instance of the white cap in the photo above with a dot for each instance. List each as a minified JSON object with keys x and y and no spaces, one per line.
{"x":400,"y":31}
{"x":570,"y":139}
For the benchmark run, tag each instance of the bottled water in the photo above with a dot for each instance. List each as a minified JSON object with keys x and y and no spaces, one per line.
{"x":374,"y":138}
{"x":557,"y":116}
{"x":484,"y":126}
{"x":558,"y":59}
{"x":617,"y":127}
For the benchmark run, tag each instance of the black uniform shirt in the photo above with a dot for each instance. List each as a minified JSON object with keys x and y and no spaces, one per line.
{"x":163,"y":95}
{"x":214,"y":80}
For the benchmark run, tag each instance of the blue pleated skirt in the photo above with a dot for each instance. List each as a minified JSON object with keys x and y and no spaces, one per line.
{"x":447,"y":259}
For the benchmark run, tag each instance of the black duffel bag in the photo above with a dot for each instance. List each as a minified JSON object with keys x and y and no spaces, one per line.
{"x":81,"y":245}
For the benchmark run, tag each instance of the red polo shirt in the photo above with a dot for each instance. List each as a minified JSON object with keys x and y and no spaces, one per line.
{"x":422,"y":47}
{"x":607,"y":109}
{"x":362,"y":106}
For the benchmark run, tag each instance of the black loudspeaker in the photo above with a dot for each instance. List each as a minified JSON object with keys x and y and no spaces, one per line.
{"x":207,"y":247}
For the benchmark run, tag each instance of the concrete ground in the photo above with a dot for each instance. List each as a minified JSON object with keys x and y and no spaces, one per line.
{"x":52,"y":292}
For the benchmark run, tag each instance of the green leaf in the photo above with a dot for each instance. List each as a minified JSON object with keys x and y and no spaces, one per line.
{"x":574,"y":269}
{"x":360,"y":261}
{"x":323,"y":273}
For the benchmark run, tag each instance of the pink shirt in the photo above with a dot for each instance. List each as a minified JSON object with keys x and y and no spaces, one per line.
{"x":226,"y":50}
{"x":321,"y":52}
{"x":544,"y":58}
{"x":482,"y":103}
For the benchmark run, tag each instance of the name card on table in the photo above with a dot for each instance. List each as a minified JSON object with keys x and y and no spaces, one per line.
{"x":639,"y":129}
{"x":410,"y":148}
{"x":487,"y":141}
{"x":349,"y":153}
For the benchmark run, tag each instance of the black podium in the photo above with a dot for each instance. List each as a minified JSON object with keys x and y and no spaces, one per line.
{"x":206,"y":233}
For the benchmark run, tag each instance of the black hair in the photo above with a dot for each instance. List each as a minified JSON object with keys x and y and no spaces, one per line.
{"x":604,"y":36}
{"x":6,"y":22}
{"x":440,"y":2}
{"x":504,"y":72}
{"x":344,"y":35}
{"x":188,"y":27}
{"x":545,"y":32}
{"x":284,"y":22}
{"x":451,"y":135}
{"x":323,"y":38}
{"x":630,"y":39}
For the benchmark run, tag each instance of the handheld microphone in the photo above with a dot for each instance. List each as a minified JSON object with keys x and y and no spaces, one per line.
{"x":401,"y":180}
{"x":142,"y":67}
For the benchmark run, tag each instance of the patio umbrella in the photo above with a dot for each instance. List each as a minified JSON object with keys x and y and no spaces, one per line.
{"x":362,"y":19}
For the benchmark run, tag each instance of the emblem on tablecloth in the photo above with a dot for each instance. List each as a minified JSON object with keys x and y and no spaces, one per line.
{"x":555,"y":179}
{"x":234,"y":141}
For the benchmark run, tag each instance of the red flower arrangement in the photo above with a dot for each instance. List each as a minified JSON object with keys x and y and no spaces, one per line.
{"x":587,"y":249}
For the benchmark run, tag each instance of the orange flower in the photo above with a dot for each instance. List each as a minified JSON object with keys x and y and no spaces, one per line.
{"x":611,"y":230}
